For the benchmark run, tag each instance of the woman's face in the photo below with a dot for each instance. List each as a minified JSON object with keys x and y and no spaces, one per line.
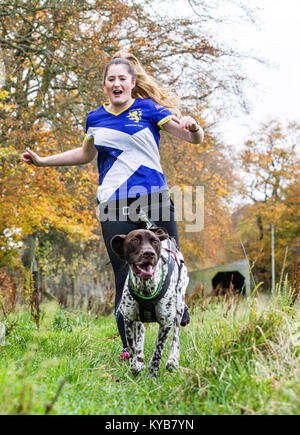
{"x":119,"y":84}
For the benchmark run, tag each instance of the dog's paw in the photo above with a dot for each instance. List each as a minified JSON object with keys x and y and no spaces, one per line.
{"x":172,"y":365}
{"x":153,"y":372}
{"x":153,"y":368}
{"x":136,"y":367}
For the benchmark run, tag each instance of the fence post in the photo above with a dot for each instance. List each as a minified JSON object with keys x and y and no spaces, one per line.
{"x":273,"y":259}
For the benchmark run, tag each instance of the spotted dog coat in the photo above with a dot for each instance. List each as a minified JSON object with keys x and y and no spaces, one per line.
{"x":151,"y":246}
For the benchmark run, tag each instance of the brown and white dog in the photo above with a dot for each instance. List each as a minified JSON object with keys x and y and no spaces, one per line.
{"x":154,"y":291}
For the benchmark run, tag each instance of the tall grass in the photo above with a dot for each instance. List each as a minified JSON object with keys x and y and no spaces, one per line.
{"x":239,"y":356}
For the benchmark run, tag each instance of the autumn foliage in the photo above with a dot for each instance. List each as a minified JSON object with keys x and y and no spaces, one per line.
{"x":54,"y":54}
{"x":272,"y":168}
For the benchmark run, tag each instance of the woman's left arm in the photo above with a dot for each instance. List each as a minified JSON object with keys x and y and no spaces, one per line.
{"x":186,"y":128}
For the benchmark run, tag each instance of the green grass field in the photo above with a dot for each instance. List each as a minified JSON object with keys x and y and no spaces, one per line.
{"x":235,"y":359}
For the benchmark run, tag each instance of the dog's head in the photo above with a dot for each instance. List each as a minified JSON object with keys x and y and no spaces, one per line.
{"x":141,"y":249}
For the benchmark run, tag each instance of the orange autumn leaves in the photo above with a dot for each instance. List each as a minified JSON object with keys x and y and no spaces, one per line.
{"x":54,"y":59}
{"x":55,"y":55}
{"x":272,"y":167}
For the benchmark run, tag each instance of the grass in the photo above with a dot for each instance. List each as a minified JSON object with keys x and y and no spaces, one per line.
{"x":236,"y":358}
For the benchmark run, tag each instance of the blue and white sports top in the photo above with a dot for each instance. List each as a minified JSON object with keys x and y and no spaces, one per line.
{"x":127,"y":144}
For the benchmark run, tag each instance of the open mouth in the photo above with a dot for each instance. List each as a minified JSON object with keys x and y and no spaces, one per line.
{"x":117,"y":93}
{"x":144,"y":270}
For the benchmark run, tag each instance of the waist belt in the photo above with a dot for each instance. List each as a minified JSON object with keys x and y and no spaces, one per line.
{"x":129,"y":208}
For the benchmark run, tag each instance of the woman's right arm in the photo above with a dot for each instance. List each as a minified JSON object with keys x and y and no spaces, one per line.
{"x":78,"y":156}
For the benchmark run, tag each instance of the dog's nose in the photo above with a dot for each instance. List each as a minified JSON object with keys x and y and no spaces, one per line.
{"x":149,"y":253}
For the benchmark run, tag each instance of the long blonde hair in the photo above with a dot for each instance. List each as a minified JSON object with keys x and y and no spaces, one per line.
{"x":146,"y":86}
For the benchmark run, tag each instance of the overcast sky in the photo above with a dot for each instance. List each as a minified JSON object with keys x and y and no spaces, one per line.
{"x":276,"y":94}
{"x":274,"y":91}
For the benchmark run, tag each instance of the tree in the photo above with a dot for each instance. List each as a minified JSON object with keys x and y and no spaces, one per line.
{"x":271,"y":167}
{"x":52,"y":81}
{"x":202,"y":165}
{"x":54,"y":53}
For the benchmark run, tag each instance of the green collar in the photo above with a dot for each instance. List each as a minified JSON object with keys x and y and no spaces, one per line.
{"x":146,"y":297}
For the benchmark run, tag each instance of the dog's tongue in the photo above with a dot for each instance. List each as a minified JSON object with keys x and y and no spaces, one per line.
{"x":145,"y":271}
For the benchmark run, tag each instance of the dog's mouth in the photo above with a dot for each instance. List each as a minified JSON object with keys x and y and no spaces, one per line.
{"x":144,"y":270}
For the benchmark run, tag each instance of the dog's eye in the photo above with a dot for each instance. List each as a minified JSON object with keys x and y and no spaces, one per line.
{"x":155,"y":242}
{"x":134,"y":241}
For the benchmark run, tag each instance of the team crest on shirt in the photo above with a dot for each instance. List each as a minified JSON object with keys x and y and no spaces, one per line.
{"x":135,"y":115}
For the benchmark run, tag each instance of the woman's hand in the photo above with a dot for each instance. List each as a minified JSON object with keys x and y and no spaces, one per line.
{"x":186,"y":128}
{"x":32,"y":158}
{"x":188,"y":123}
{"x":77,"y":156}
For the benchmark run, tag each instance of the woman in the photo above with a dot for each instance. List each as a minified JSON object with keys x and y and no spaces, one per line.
{"x":125,"y":134}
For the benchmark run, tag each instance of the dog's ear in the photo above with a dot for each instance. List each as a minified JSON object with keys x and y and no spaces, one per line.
{"x":160,"y":232}
{"x":117,"y":245}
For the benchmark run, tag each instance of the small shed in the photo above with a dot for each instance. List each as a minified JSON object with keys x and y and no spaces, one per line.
{"x":237,"y":273}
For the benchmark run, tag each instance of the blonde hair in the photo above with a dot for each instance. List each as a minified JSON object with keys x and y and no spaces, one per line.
{"x":146,"y":86}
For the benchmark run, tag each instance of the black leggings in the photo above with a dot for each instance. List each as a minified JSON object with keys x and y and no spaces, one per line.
{"x":112,"y":227}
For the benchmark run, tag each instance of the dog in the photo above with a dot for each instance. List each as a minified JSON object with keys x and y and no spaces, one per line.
{"x":154,"y":291}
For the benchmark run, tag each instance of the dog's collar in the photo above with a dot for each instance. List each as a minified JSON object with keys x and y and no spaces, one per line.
{"x":146,"y":298}
{"x":147,"y":305}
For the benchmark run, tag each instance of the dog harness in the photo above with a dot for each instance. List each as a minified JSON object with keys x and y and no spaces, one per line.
{"x":147,"y":304}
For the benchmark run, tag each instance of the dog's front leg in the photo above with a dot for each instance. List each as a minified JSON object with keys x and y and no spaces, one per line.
{"x":139,"y":345}
{"x":161,"y":341}
{"x":135,"y":346}
{"x":172,"y":362}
